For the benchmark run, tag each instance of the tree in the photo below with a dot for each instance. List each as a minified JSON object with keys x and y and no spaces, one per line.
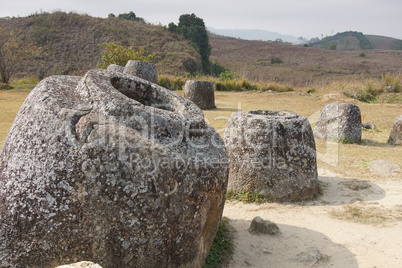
{"x":193,"y":29}
{"x":128,"y":16}
{"x":172,"y":27}
{"x":116,"y":54}
{"x":333,"y":46}
{"x":13,"y":52}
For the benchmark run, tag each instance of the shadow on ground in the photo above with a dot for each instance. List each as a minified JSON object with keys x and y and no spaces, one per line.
{"x":293,"y":247}
{"x":340,"y":191}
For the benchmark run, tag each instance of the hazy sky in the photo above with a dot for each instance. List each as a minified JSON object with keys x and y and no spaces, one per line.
{"x":307,"y":18}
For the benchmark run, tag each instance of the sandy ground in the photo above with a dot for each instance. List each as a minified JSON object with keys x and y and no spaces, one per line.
{"x":311,"y":236}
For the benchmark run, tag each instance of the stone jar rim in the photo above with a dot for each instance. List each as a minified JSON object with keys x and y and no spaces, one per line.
{"x":273,"y":114}
{"x":107,"y":94}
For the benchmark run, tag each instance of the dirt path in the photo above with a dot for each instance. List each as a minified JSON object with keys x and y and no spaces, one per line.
{"x":318,"y":233}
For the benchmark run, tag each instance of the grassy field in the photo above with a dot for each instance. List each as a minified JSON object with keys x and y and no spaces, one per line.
{"x":10,"y":102}
{"x":348,"y":159}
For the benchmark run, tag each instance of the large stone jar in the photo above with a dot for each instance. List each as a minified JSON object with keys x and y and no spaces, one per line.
{"x":339,"y":121}
{"x":201,"y":93}
{"x":113,"y":169}
{"x":271,"y":153}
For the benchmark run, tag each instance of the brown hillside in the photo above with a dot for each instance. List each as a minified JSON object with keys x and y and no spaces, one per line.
{"x":381,"y":42}
{"x":70,"y":43}
{"x":302,"y":66}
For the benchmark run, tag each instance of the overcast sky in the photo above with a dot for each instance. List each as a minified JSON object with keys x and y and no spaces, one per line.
{"x":308,"y":18}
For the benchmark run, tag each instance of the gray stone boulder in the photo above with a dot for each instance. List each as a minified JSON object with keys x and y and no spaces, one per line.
{"x":261,"y":226}
{"x":340,"y":121}
{"x":113,"y":169}
{"x":368,"y":125}
{"x":115,"y":68}
{"x":396,"y":132}
{"x":144,"y":70}
{"x":201,"y":93}
{"x":271,"y":153}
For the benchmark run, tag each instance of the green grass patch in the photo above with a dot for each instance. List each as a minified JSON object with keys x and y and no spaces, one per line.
{"x":222,"y":247}
{"x":25,"y":83}
{"x":248,"y":197}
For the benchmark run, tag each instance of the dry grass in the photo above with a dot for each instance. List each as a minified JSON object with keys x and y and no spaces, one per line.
{"x":348,"y":159}
{"x":365,"y":214}
{"x":70,"y":43}
{"x":10,"y":102}
{"x":302,"y":66}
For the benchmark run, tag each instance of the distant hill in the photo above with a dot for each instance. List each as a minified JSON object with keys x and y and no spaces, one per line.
{"x":253,"y":34}
{"x":357,"y":41}
{"x":382,"y":42}
{"x":70,"y":43}
{"x":300,"y":65}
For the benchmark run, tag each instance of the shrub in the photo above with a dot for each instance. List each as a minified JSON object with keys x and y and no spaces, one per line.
{"x":394,"y":81}
{"x":228,"y":75}
{"x":4,"y":86}
{"x":277,"y":87}
{"x":276,"y":60}
{"x":247,"y":85}
{"x":362,"y":55}
{"x":25,"y":83}
{"x":42,"y":35}
{"x":332,"y":47}
{"x":116,"y":54}
{"x":171,"y":82}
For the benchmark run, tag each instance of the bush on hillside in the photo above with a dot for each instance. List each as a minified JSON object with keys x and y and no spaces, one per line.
{"x":116,"y":54}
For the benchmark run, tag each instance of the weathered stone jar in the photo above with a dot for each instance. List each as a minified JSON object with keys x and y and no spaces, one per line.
{"x":143,"y":70}
{"x":396,"y":132}
{"x":201,"y":93}
{"x":113,"y":169}
{"x":339,"y":121}
{"x":271,"y":153}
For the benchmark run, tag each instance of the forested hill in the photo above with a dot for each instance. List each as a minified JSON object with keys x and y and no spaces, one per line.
{"x":70,"y":43}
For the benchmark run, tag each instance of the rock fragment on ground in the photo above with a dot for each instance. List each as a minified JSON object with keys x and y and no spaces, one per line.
{"x":261,"y":226}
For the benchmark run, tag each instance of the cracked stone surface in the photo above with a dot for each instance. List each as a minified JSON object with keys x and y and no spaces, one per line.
{"x":201,"y":93}
{"x":396,"y":132}
{"x":271,"y":153}
{"x":340,"y":121}
{"x":113,"y":169}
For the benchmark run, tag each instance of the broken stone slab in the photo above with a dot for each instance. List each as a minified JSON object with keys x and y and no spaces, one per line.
{"x":340,"y":121}
{"x":312,"y":256}
{"x":109,"y":168}
{"x":396,"y":132}
{"x":368,"y":125}
{"x":261,"y":226}
{"x":271,"y":153}
{"x":201,"y":93}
